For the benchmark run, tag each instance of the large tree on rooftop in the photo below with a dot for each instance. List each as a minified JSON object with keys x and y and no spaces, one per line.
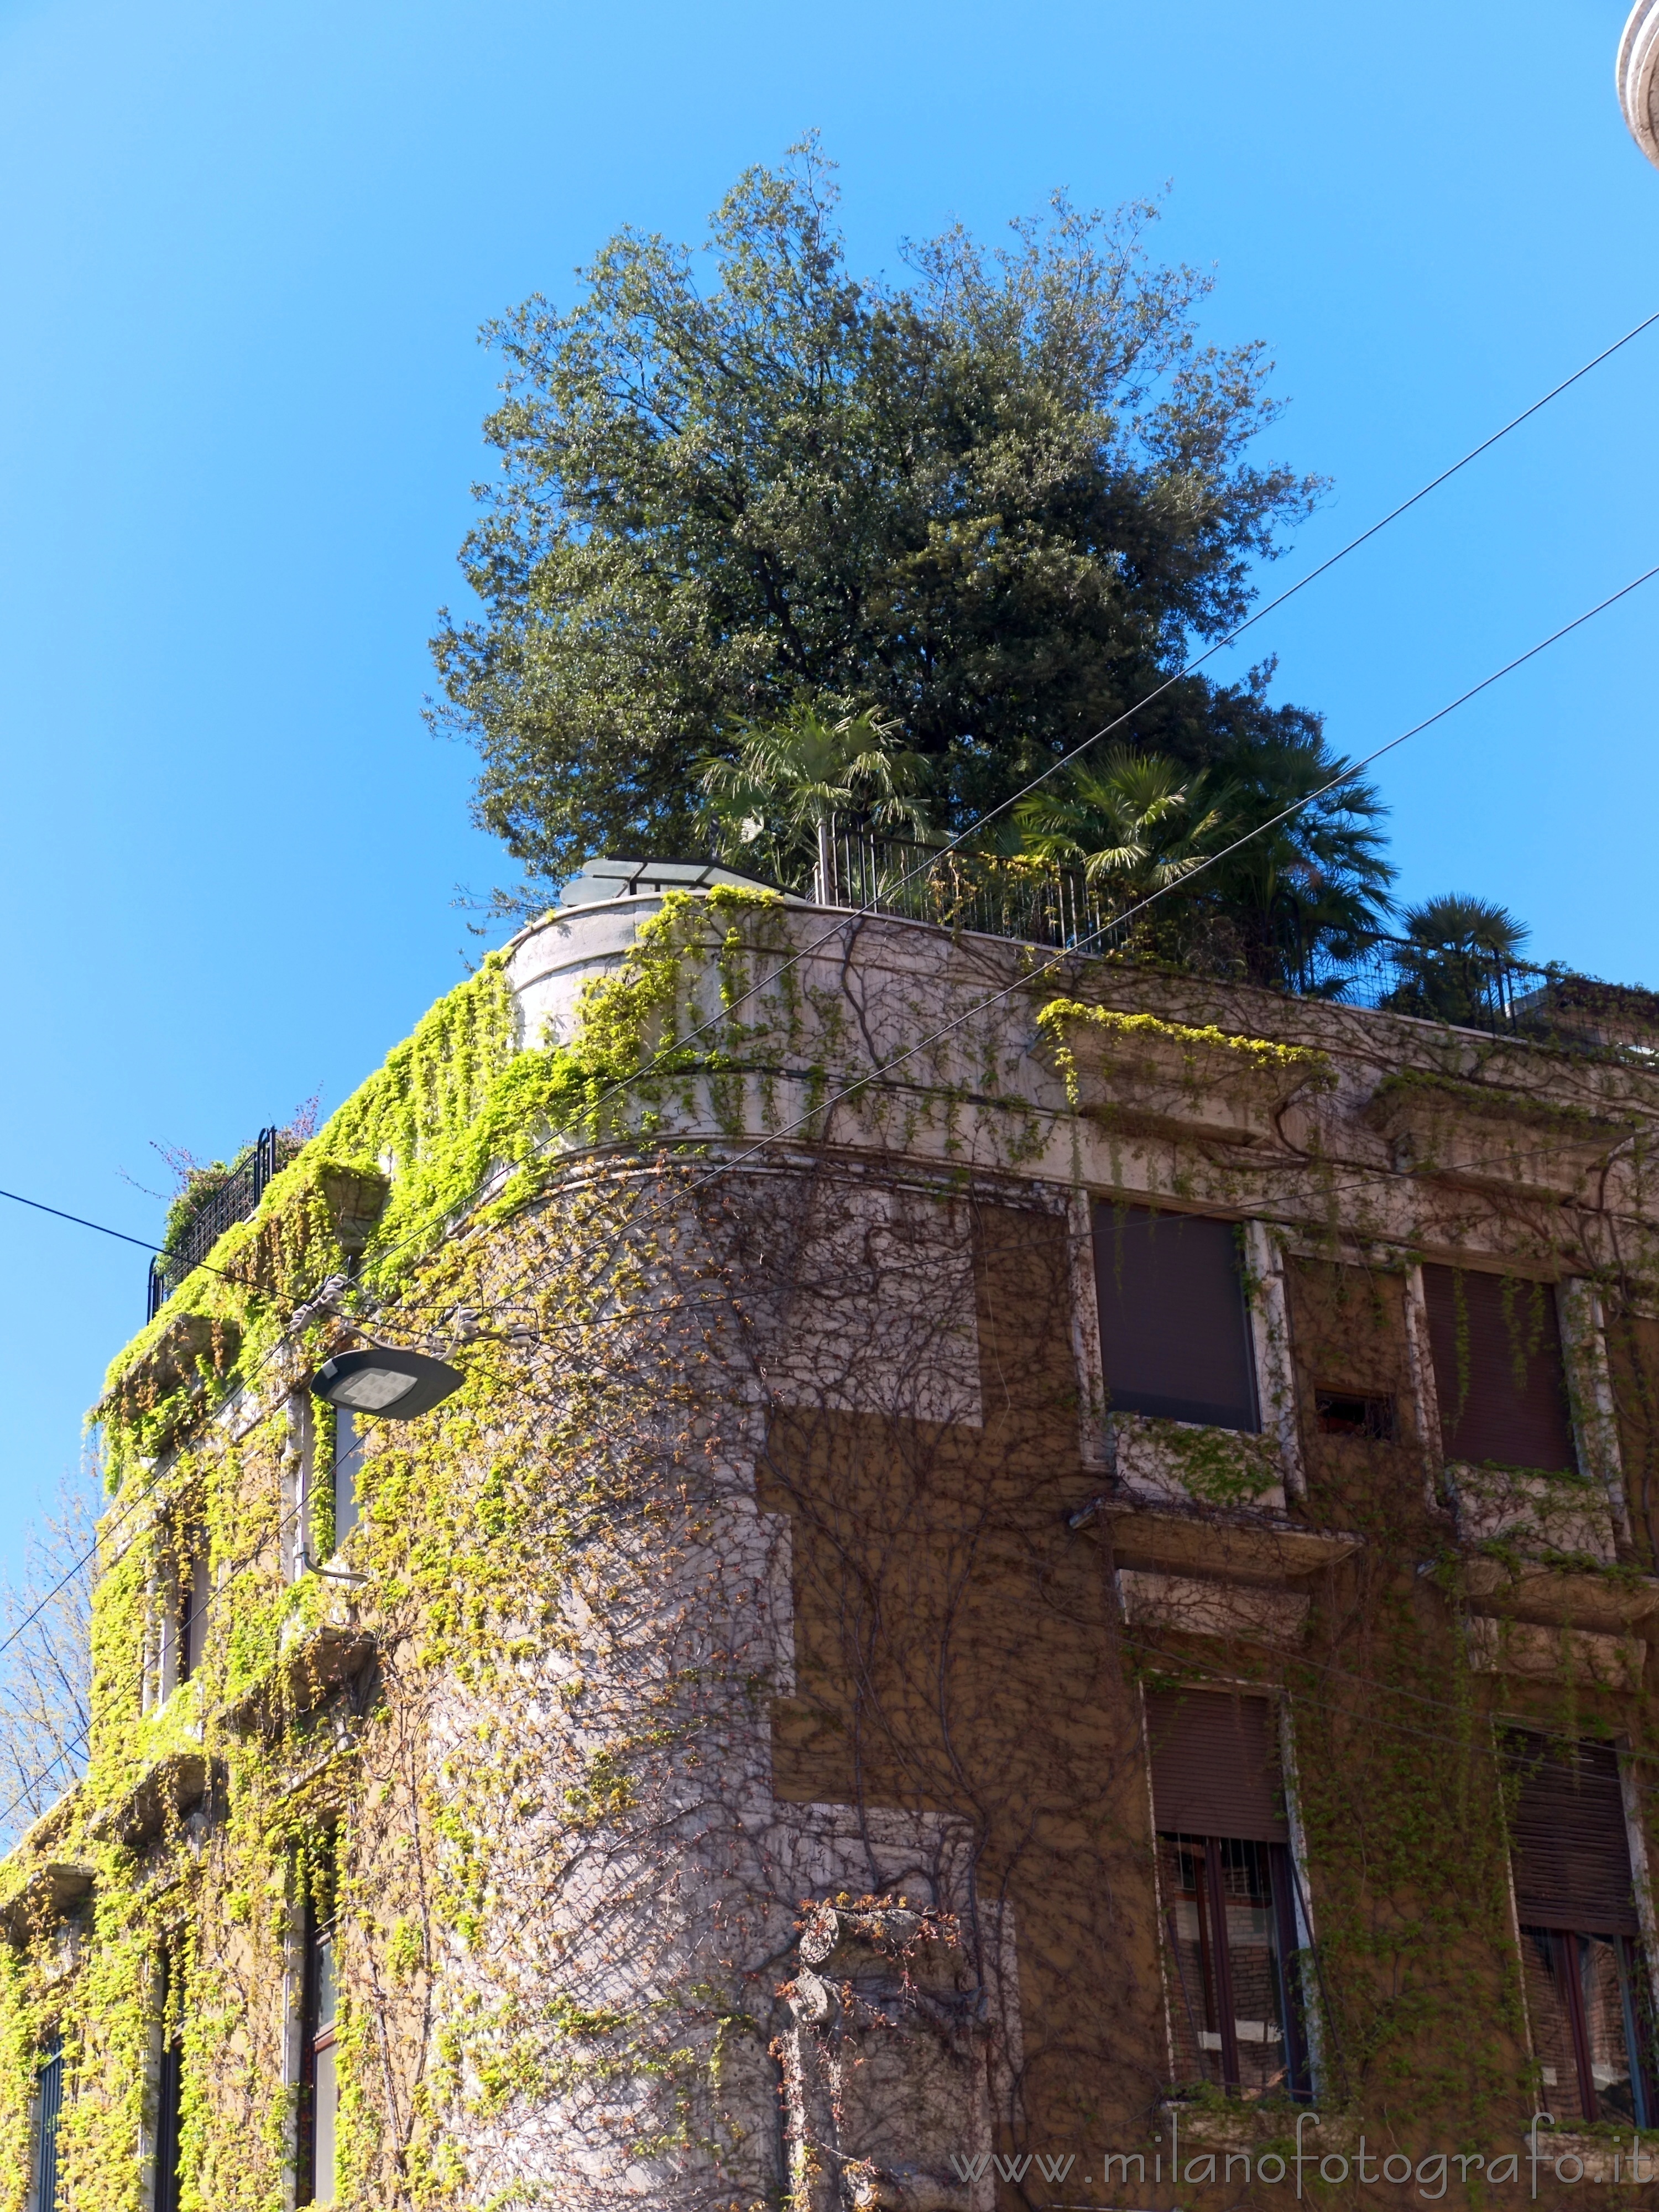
{"x":993,"y":502}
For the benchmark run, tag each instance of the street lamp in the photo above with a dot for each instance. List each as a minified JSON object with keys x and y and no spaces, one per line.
{"x":394,"y":1385}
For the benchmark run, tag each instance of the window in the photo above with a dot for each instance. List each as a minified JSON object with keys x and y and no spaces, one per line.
{"x":169,"y":2099}
{"x":1586,"y":1977}
{"x":1339,"y":1413}
{"x":1226,"y":1887}
{"x":320,"y":2094}
{"x":188,"y":1592}
{"x":195,"y":1595}
{"x":48,"y":2105}
{"x":1174,"y":1323}
{"x":1496,"y":1343}
{"x":348,"y":1461}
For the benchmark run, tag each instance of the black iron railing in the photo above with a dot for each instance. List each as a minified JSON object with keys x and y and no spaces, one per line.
{"x":1039,"y":902}
{"x":223,"y":1203}
{"x":1471,"y":990}
{"x":1043,"y":902}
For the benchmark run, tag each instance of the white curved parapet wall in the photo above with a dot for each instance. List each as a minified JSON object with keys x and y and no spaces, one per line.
{"x":1638,"y":76}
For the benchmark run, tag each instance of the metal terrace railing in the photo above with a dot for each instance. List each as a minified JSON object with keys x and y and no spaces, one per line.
{"x":1038,"y":902}
{"x":1475,"y":990}
{"x":222,"y":1205}
{"x":1042,"y":903}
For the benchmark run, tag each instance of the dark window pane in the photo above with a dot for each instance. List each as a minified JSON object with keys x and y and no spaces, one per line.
{"x":1585,"y":1999}
{"x":1175,"y":1329}
{"x":169,"y":2094}
{"x":1233,"y":2001}
{"x":1552,"y":2021}
{"x":49,"y":2104}
{"x":347,"y":1450}
{"x":1339,"y":1414}
{"x":1604,"y":1996}
{"x":1498,"y":1370}
{"x":169,"y":2117}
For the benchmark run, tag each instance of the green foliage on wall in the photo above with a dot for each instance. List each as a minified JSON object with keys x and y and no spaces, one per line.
{"x":528,"y":1519}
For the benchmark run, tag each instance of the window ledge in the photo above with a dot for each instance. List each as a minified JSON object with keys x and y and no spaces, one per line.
{"x":51,"y":1893}
{"x":1532,"y":1510}
{"x":173,"y":1786}
{"x":1204,"y":1605}
{"x":1246,"y":2124}
{"x":1534,"y":1652}
{"x":1135,"y":1073}
{"x":315,"y":1658}
{"x":1244,"y":1540}
{"x":1596,"y":2153}
{"x":1488,"y":1138}
{"x":1187,"y":1463}
{"x":1560,"y":1598}
{"x":320,"y":1657}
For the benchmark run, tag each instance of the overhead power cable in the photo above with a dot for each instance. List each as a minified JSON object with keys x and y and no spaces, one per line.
{"x":1261,"y":613}
{"x":1047,"y":968}
{"x":1186,"y":668}
{"x":980,"y":822}
{"x":103,"y":1229}
{"x":1373,"y":1712}
{"x":79,"y":1221}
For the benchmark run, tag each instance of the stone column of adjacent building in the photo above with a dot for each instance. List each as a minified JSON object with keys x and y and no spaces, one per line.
{"x":1638,"y":76}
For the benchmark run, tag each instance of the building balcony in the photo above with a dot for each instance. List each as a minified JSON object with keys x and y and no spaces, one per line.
{"x":1243,"y":1575}
{"x":218,"y":1199}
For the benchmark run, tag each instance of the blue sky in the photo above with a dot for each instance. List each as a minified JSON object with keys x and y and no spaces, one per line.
{"x":243,"y":253}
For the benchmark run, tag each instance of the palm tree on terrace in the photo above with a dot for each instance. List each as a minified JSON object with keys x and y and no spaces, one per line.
{"x":1453,"y":923}
{"x":1134,"y":822}
{"x":1294,"y":900}
{"x":796,"y":782}
{"x":1312,"y":885}
{"x":1454,"y":964}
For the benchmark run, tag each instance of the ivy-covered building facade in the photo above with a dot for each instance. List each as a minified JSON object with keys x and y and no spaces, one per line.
{"x":1037,"y":1589}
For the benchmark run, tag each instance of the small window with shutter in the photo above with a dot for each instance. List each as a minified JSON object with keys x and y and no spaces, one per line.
{"x":1175,"y":1324}
{"x":1588,"y":1990}
{"x":1225,"y":1883}
{"x":1498,"y":1373}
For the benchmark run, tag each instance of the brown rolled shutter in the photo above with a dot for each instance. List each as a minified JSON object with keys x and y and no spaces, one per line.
{"x":1567,"y":1835}
{"x":1174,"y":1327}
{"x":1215,"y":1765}
{"x":1498,"y":1374}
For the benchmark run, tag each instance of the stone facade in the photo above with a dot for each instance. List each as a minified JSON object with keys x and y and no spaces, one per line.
{"x":717,"y":1763}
